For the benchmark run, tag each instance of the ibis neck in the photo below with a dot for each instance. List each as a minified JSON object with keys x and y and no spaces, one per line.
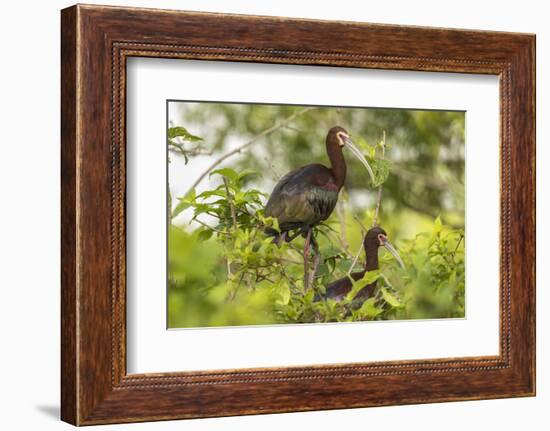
{"x":337,"y":163}
{"x":371,"y":265}
{"x":372,"y":257}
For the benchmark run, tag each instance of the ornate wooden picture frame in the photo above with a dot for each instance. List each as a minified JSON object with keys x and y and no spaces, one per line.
{"x":96,"y":41}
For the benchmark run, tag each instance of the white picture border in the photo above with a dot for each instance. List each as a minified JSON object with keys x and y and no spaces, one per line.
{"x":151,"y":347}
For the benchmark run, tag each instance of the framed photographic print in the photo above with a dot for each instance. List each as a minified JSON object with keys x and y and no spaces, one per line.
{"x":264,"y":215}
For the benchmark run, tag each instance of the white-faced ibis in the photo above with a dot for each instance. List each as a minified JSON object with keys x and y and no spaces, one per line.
{"x":376,"y":237}
{"x":306,"y":196}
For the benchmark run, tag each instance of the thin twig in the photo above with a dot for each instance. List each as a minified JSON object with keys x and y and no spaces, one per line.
{"x":316,"y":261}
{"x":290,"y":261}
{"x":228,"y":263}
{"x":276,"y":175}
{"x":341,"y":213}
{"x":376,"y":211}
{"x":306,"y":259}
{"x":255,"y":139}
{"x":457,"y":244}
{"x":329,"y":227}
{"x":356,"y":258}
{"x":230,"y":200}
{"x":210,"y":227}
{"x":179,"y":148}
{"x":295,"y":248}
{"x":197,"y":151}
{"x":332,"y":237}
{"x":294,"y":129}
{"x":233,"y":292}
{"x":379,"y":197}
{"x":360,"y":223}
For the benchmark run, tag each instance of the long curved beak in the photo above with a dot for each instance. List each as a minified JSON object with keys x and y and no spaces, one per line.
{"x":394,"y":252}
{"x":357,"y":153}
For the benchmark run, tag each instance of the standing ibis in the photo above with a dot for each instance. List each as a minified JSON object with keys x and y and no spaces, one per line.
{"x":376,"y":237}
{"x":306,"y":196}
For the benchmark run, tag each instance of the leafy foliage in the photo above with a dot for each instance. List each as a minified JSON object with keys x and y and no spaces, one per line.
{"x":427,"y":173}
{"x":178,"y":137}
{"x":181,"y":132}
{"x":244,"y":277}
{"x":375,"y":156}
{"x":432,"y":283}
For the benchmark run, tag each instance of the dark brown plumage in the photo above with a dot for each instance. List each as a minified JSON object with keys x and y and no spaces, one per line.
{"x":307,"y":195}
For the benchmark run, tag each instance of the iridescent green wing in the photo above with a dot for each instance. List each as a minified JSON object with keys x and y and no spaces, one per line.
{"x":298,"y":197}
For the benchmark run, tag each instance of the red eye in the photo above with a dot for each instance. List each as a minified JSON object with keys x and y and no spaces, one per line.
{"x":382,"y":239}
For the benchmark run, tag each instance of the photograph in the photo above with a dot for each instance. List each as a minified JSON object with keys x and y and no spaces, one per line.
{"x":285,"y":214}
{"x":306,"y":215}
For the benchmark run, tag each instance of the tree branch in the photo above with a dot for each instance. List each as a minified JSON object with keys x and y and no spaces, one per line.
{"x":247,"y":144}
{"x":230,"y":200}
{"x":456,"y":248}
{"x":313,"y":272}
{"x":360,"y":223}
{"x":341,"y":213}
{"x":178,"y":148}
{"x":356,"y":258}
{"x":316,"y":261}
{"x":210,"y":227}
{"x":379,"y":196}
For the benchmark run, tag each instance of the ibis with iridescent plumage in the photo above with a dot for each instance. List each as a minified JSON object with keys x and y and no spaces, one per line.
{"x":306,"y":196}
{"x":375,"y":238}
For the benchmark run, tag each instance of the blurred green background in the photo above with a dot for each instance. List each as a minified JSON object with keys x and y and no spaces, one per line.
{"x":426,"y":150}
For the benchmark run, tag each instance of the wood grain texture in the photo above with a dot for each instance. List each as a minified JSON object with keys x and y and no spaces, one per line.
{"x":69,"y":397}
{"x":96,"y":41}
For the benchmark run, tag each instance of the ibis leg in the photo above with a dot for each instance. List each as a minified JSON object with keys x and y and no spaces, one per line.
{"x":306,"y":259}
{"x":279,"y":239}
{"x":316,"y":259}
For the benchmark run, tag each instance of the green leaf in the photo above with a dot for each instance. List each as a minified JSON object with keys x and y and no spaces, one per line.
{"x":269,"y":222}
{"x":369,"y":309}
{"x":179,"y":149}
{"x":322,"y":270}
{"x":283,"y":294}
{"x":364,"y":146}
{"x":184,"y":203}
{"x":331,"y":251}
{"x":308,"y":297}
{"x":381,"y":170}
{"x":205,"y":234}
{"x":368,"y":278}
{"x":183,"y":133}
{"x":390,"y":298}
{"x":438,"y":225}
{"x":246,"y":173}
{"x":209,"y":193}
{"x":344,"y":264}
{"x":229,"y":173}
